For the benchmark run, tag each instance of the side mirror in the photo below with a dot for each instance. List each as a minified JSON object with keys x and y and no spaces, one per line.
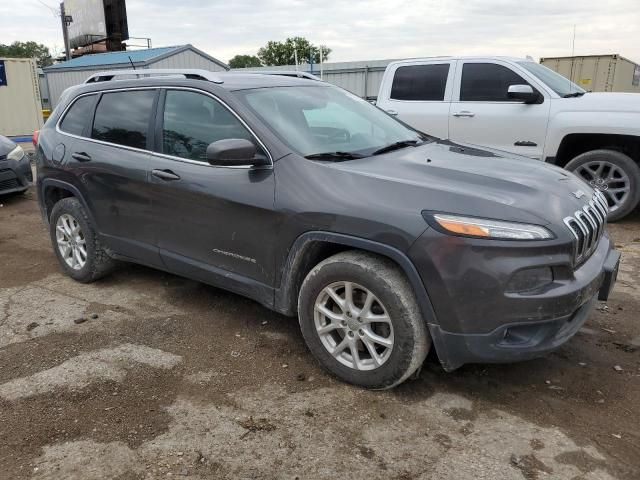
{"x":524,"y":93}
{"x":234,"y":152}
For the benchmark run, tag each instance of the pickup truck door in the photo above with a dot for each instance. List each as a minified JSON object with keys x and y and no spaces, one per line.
{"x":482,"y":114}
{"x":419,"y":94}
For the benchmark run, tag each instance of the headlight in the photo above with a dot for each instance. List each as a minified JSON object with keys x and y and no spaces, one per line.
{"x":487,"y":228}
{"x":16,"y":154}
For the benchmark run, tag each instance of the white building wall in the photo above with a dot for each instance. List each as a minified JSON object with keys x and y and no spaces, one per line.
{"x":20,"y":108}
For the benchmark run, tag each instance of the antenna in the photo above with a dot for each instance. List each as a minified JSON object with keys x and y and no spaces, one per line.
{"x":132,"y":65}
{"x":573,"y":57}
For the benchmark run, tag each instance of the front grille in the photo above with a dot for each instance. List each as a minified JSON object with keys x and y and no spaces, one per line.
{"x":9,"y":184}
{"x":587,"y":226}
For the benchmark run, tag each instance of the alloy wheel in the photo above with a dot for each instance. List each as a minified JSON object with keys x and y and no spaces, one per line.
{"x":610,"y":179}
{"x":353,"y":325}
{"x":71,"y":241}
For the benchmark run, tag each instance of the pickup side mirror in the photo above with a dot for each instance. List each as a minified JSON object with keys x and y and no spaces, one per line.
{"x":525,"y":93}
{"x":234,"y":152}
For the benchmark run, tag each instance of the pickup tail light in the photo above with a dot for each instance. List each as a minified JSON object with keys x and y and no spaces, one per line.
{"x":34,"y":139}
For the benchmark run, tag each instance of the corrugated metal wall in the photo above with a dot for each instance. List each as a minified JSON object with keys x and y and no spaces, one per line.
{"x":596,"y":73}
{"x":20,"y":108}
{"x":59,"y":81}
{"x":352,"y":76}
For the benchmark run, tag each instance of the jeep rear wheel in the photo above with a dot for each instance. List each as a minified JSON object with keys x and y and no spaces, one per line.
{"x":76,"y":244}
{"x":360,"y":318}
{"x":615,"y":174}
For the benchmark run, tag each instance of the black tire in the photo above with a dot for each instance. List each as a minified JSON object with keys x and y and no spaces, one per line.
{"x":387,"y":282}
{"x":624,"y":163}
{"x":98,"y":262}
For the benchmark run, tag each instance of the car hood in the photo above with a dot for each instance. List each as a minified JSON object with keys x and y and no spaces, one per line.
{"x":457,"y":178}
{"x":602,"y":102}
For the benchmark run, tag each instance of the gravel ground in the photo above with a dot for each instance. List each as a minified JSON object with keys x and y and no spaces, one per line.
{"x":148,"y":375}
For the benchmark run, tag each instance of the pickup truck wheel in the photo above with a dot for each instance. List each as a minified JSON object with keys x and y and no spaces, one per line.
{"x":615,"y":174}
{"x":359,"y":317}
{"x":75,"y":242}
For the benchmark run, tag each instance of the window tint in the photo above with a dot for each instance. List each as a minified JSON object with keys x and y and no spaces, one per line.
{"x":487,"y":82}
{"x":78,"y":116}
{"x":420,"y":82}
{"x":123,"y":118}
{"x":192,"y":121}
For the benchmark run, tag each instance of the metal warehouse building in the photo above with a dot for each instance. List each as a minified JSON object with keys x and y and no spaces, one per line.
{"x":362,"y":78}
{"x":73,"y":72}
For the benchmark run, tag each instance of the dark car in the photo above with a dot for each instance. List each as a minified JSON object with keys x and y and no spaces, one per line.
{"x":15,"y":168}
{"x":313,"y":202}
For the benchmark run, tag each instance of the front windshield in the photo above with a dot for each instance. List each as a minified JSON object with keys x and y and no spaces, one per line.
{"x":321,"y":119}
{"x":556,"y":82}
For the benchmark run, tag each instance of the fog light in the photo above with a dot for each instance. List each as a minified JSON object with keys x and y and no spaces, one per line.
{"x":530,"y":279}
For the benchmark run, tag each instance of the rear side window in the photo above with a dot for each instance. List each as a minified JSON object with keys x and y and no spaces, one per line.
{"x":192,"y":121}
{"x":487,"y":82}
{"x":420,"y":82}
{"x":79,"y":115}
{"x":123,"y":118}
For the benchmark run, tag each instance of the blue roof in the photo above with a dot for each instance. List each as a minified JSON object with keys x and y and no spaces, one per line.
{"x":115,"y":58}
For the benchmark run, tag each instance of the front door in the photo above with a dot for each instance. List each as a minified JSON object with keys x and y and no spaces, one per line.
{"x":214,"y":223}
{"x":481,"y":112}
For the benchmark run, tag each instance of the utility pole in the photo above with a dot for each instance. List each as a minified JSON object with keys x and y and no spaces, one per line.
{"x":66,"y":21}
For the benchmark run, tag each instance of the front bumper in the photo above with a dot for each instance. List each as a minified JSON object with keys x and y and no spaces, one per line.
{"x":15,"y":175}
{"x":477,"y":322}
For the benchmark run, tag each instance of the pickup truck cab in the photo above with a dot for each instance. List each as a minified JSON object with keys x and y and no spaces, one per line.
{"x":522,"y":107}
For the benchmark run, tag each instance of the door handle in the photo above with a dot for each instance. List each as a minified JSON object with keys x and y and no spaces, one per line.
{"x":392,"y":112}
{"x":464,"y":113}
{"x":81,"y":156}
{"x":165,"y":174}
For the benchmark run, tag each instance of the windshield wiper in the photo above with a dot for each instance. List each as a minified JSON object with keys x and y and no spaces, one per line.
{"x":573,"y":94}
{"x":396,"y":146}
{"x":334,"y":156}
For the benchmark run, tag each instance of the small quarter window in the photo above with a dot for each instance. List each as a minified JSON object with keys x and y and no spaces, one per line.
{"x":79,"y":115}
{"x":420,"y":82}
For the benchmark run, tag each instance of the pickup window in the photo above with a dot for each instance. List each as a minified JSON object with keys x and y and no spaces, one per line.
{"x":487,"y":82}
{"x":420,"y":82}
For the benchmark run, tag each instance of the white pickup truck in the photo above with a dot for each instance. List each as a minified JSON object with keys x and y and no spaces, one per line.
{"x":522,"y":107}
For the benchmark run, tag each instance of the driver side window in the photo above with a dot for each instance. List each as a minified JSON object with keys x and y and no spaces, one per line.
{"x":487,"y":82}
{"x":191,"y":121}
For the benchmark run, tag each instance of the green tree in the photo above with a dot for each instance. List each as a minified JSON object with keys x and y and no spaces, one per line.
{"x":243,"y":61}
{"x":27,"y":50}
{"x":283,"y":53}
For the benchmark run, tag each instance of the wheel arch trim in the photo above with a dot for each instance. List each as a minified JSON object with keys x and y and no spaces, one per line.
{"x":52,"y":182}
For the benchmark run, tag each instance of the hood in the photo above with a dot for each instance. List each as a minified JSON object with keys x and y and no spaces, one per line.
{"x":6,"y":146}
{"x":603,"y":102}
{"x":456,"y":178}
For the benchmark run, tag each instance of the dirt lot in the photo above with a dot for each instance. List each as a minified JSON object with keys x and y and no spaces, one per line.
{"x":148,"y":375}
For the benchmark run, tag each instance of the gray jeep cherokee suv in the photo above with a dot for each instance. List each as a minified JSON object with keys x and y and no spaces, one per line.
{"x":313,"y":202}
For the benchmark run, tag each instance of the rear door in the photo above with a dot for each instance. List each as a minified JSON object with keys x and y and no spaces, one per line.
{"x":419,"y":94}
{"x":482,"y":113}
{"x":214,"y":223}
{"x":111,"y":159}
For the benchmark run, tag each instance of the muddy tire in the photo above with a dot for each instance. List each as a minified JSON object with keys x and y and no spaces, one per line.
{"x":75,"y":243}
{"x":360,"y":319}
{"x":613,"y":173}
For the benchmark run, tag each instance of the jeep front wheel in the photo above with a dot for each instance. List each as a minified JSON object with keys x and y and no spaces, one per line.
{"x":615,"y":174}
{"x":360,"y":318}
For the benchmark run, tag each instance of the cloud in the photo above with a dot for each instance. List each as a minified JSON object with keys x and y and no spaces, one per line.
{"x":363,"y":30}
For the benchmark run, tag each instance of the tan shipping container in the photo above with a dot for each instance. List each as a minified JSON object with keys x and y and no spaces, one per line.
{"x":598,"y":73}
{"x":20,"y":106}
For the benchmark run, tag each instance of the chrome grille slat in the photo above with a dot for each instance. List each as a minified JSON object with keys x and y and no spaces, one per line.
{"x":587,"y":226}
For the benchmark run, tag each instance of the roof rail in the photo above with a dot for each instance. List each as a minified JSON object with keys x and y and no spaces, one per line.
{"x":193,"y":74}
{"x":283,"y":73}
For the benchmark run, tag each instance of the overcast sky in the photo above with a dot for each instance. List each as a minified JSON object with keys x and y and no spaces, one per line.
{"x":363,"y":30}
